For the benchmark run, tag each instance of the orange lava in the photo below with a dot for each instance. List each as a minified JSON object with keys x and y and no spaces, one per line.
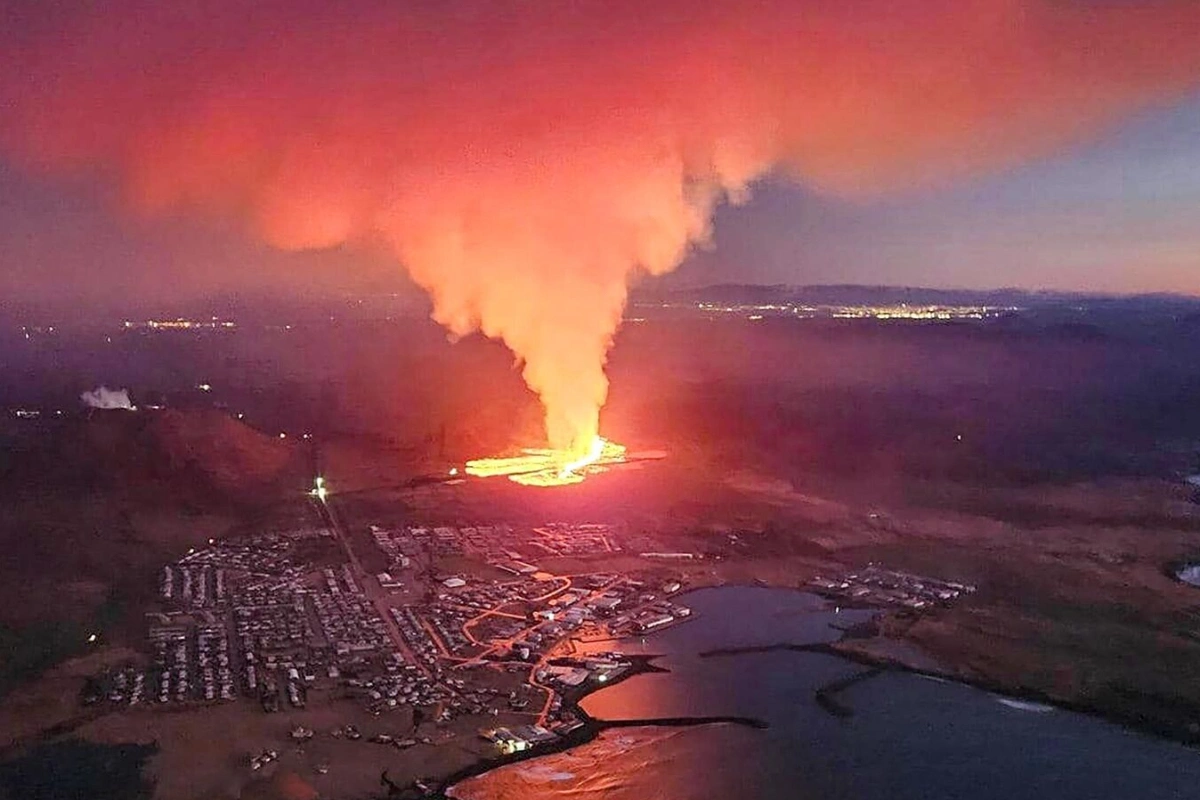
{"x":545,"y":467}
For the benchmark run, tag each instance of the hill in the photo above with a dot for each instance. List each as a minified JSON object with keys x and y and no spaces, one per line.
{"x":97,"y":502}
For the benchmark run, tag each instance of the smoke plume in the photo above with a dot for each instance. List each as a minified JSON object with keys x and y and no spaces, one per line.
{"x":103,"y":397}
{"x":524,"y":159}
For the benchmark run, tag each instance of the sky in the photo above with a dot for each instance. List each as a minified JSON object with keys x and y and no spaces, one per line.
{"x":1116,"y":213}
{"x":1103,"y":199}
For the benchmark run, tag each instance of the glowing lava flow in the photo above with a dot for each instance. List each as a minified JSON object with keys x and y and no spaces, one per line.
{"x":546,"y":467}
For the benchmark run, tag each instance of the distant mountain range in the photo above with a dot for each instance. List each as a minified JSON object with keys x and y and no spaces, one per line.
{"x":856,"y":295}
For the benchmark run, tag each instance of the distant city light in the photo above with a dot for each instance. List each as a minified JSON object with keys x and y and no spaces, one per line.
{"x":901,"y":311}
{"x":453,"y":471}
{"x":180,"y":324}
{"x":92,"y":638}
{"x":204,"y":387}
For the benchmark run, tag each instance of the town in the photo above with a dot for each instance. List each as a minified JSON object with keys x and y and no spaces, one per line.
{"x":279,"y":618}
{"x":878,"y":586}
{"x":426,"y":632}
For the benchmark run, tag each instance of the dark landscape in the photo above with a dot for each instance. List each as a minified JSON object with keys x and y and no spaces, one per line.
{"x":1038,"y":456}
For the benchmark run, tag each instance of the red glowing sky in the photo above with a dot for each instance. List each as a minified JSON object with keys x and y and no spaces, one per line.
{"x":429,"y":133}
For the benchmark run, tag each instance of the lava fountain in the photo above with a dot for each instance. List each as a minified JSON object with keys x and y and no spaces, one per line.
{"x":548,"y":467}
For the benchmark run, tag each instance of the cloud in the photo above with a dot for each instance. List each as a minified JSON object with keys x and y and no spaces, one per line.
{"x":524,"y":161}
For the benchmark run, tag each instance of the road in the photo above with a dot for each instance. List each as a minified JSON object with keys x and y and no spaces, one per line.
{"x":325,"y":510}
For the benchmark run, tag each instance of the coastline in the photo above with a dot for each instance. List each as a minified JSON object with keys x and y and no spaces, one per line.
{"x":848,"y":648}
{"x":1126,"y":718}
{"x":587,"y":732}
{"x":851,"y":646}
{"x":877,"y":665}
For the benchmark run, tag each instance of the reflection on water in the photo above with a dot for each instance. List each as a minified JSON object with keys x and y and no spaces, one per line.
{"x":622,"y":764}
{"x":907,"y":737}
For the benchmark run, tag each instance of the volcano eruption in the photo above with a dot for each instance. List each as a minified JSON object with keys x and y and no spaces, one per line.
{"x":526,"y":161}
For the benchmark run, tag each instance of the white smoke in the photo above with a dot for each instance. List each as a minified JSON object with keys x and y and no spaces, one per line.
{"x":103,"y":397}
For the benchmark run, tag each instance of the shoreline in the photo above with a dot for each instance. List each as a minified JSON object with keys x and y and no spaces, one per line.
{"x":849,"y":647}
{"x":1130,"y":720}
{"x":880,"y":664}
{"x":587,"y":732}
{"x":877,"y":665}
{"x":844,"y":647}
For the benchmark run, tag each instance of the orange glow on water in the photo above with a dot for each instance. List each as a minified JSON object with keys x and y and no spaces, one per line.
{"x":547,"y":467}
